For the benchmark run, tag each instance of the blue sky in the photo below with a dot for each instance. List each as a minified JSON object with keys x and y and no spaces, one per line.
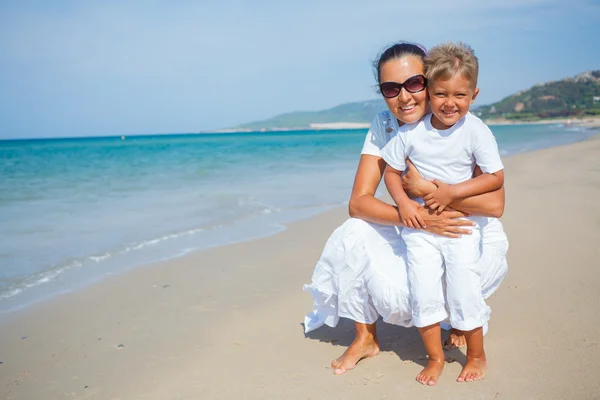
{"x":85,"y":68}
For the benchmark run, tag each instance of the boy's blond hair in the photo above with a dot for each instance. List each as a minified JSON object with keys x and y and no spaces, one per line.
{"x":447,"y":59}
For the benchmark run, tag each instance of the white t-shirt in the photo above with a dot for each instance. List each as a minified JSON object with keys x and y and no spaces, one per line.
{"x":378,"y":135}
{"x":449,"y":155}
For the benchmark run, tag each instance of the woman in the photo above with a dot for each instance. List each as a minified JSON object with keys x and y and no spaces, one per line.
{"x":362,"y":273}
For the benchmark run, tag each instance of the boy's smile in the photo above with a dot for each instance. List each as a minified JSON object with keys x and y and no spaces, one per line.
{"x":450,"y":100}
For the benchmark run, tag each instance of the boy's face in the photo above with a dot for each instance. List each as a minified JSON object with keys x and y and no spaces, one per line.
{"x":450,"y":100}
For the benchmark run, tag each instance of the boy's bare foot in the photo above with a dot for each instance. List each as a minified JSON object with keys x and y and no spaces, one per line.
{"x":361,"y":347}
{"x":474,"y":369}
{"x":456,"y":339}
{"x":431,"y":372}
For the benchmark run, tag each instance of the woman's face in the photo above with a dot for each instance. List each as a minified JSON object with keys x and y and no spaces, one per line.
{"x":406,"y":107}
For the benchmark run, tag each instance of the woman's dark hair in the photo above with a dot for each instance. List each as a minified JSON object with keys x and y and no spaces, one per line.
{"x":397,"y":51}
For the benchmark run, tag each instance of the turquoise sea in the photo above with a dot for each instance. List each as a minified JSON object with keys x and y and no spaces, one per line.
{"x":75,"y":210}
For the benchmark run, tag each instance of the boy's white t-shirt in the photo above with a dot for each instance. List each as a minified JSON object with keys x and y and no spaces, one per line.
{"x":448,"y":155}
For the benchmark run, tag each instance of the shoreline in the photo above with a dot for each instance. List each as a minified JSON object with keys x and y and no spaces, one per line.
{"x":82,"y":278}
{"x":74,"y":282}
{"x":587,"y":122}
{"x":215,"y":323}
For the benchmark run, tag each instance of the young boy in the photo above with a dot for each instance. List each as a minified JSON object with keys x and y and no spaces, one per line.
{"x":445,"y":147}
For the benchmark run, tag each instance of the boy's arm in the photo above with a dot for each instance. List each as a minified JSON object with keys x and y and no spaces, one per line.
{"x":445,"y":193}
{"x":407,"y":208}
{"x":485,"y":150}
{"x":394,"y":155}
{"x":488,"y":204}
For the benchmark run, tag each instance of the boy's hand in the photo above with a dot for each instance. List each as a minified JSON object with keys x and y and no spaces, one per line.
{"x":409,"y":215}
{"x":413,"y":183}
{"x":441,"y":197}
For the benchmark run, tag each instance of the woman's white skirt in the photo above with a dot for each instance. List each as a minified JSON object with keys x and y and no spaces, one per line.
{"x":362,"y":274}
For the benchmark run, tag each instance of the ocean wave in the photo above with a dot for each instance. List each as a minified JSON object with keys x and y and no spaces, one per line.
{"x":35,"y":280}
{"x":55,"y":271}
{"x":50,"y":274}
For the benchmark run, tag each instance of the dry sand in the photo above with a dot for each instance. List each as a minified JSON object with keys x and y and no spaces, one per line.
{"x":226,"y":323}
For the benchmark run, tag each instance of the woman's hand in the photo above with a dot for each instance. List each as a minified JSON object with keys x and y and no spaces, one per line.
{"x":448,"y":223}
{"x":441,"y":197}
{"x":410,"y":214}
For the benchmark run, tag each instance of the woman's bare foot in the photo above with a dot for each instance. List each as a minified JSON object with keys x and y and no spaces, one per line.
{"x":363,"y":346}
{"x":456,"y":339}
{"x":474,"y":369}
{"x":430,"y":374}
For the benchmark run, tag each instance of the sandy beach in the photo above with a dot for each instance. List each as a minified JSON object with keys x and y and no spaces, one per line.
{"x":226,"y":323}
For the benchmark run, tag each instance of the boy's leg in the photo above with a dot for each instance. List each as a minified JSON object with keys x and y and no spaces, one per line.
{"x":464,"y":298}
{"x":468,"y":310}
{"x":432,"y":340}
{"x":492,"y":267}
{"x":476,"y":365}
{"x":425,"y":271}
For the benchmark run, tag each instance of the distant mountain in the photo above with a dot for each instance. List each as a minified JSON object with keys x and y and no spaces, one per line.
{"x":569,"y":97}
{"x":362,"y":112}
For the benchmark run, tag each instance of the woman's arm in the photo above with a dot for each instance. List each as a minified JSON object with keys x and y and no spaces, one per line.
{"x":364,"y":204}
{"x":488,"y":204}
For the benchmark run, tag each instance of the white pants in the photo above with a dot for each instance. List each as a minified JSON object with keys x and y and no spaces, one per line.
{"x":444,"y":280}
{"x":362,"y":274}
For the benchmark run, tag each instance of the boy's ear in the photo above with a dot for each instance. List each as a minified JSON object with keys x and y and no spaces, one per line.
{"x":475,"y":93}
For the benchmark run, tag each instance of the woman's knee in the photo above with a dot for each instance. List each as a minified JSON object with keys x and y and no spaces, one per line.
{"x":494,"y":266}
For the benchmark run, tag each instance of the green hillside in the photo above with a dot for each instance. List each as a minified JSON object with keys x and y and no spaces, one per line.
{"x":349,"y":112}
{"x":571,"y":97}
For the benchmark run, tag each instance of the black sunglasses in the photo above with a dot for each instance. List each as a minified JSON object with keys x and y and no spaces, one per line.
{"x":414,"y":84}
